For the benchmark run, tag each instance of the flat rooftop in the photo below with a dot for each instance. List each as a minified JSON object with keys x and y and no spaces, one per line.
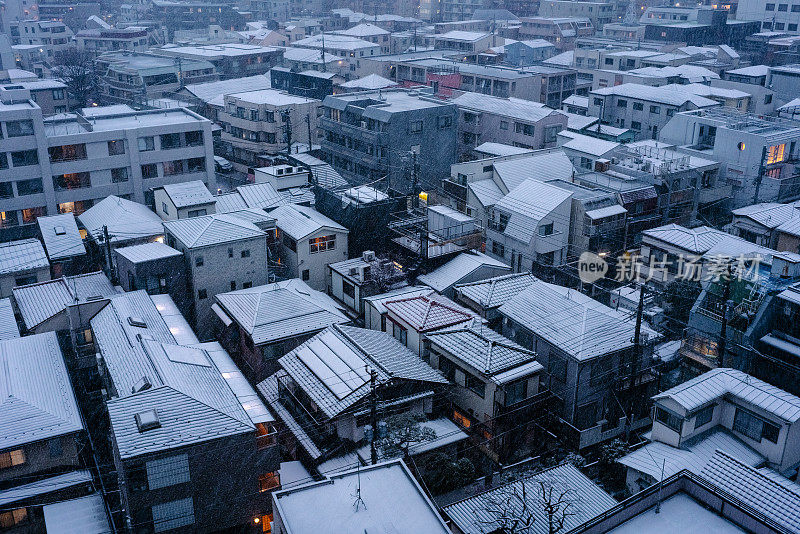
{"x":218,"y":50}
{"x":386,"y":101}
{"x":679,"y":513}
{"x":116,"y":119}
{"x":747,"y":122}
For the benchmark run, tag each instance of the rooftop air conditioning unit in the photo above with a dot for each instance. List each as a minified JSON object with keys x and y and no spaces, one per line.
{"x":601,"y":165}
{"x":368,"y":256}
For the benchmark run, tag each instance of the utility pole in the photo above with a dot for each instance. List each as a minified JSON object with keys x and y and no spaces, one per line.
{"x":287,"y":120}
{"x":637,"y":355}
{"x":308,"y":124}
{"x":324,"y":65}
{"x":373,"y":415}
{"x":726,"y":295}
{"x":414,"y":180}
{"x":760,"y":174}
{"x":109,"y":263}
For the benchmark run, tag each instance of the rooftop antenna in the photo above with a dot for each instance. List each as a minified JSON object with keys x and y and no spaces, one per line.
{"x":324,"y":66}
{"x":359,"y":500}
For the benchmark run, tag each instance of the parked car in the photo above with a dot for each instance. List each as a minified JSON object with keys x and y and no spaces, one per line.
{"x":222,"y":165}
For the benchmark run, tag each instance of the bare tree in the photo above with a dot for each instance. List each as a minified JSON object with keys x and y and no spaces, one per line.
{"x":75,"y":67}
{"x":513,"y":508}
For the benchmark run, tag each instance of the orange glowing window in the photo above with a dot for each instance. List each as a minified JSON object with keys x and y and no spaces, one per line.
{"x":775,"y":153}
{"x":461,"y":419}
{"x":269,"y":481}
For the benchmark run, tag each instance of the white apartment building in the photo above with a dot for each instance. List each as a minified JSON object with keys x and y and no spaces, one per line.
{"x":67,"y":162}
{"x":134,"y":38}
{"x":774,"y":15}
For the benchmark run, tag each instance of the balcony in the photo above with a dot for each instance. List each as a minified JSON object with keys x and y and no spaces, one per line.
{"x":372,"y":137}
{"x":457,"y":191}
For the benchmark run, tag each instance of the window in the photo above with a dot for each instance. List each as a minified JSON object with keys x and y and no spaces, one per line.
{"x":230,"y":252}
{"x":703,"y":417}
{"x":504,"y":125}
{"x":638,"y":106}
{"x":246,"y":253}
{"x":233,"y":285}
{"x":670,"y":112}
{"x":447,"y":368}
{"x":119,"y":175}
{"x":668,"y":419}
{"x":322,"y":243}
{"x":6,"y":190}
{"x":8,"y":219}
{"x":172,"y":168}
{"x":165,"y":208}
{"x":198,"y":261}
{"x":348,"y":289}
{"x":75,"y":180}
{"x":197,"y":213}
{"x":305,"y":275}
{"x":29,"y":215}
{"x":29,"y":187}
{"x":770,"y":7}
{"x":19,"y":128}
{"x":498,"y":249}
{"x":24,"y":158}
{"x":195,"y":138}
{"x":13,"y":517}
{"x":783,"y":7}
{"x":516,"y":392}
{"x":415,"y":127}
{"x":247,"y":285}
{"x":598,"y":101}
{"x":400,"y":333}
{"x":3,"y":160}
{"x":461,"y":419}
{"x":655,"y":110}
{"x":173,"y":514}
{"x":622,"y":103}
{"x":58,"y":94}
{"x":12,"y":458}
{"x":546,"y":229}
{"x":445,"y":122}
{"x":551,"y":134}
{"x":474,"y":384}
{"x":289,"y":243}
{"x":268,"y":481}
{"x":170,"y":140}
{"x":775,"y":154}
{"x":202,"y":294}
{"x":167,"y":471}
{"x":67,"y":152}
{"x":791,"y":27}
{"x":146,"y":144}
{"x":149,"y":170}
{"x":754,"y":427}
{"x":116,"y":148}
{"x":524,"y":129}
{"x":796,"y":8}
{"x":636,"y":125}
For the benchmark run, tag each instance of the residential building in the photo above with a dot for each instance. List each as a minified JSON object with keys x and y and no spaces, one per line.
{"x":201,"y":95}
{"x":530,"y":225}
{"x":277,"y":10}
{"x":43,"y":432}
{"x":321,"y":392}
{"x":757,"y":153}
{"x":261,"y":324}
{"x":772,"y":16}
{"x":496,"y":385}
{"x":466,"y":267}
{"x":116,"y":222}
{"x":100,"y":40}
{"x":410,"y":318}
{"x":538,"y":83}
{"x":512,"y":121}
{"x":63,"y":244}
{"x":222,"y":252}
{"x":752,"y":75}
{"x":183,"y":200}
{"x":370,"y":135}
{"x":309,"y":241}
{"x":189,"y":435}
{"x":590,"y":362}
{"x":230,"y":60}
{"x":52,"y":35}
{"x":345,"y":46}
{"x":698,"y":26}
{"x":156,"y":268}
{"x":465,"y":43}
{"x":475,"y":514}
{"x":761,"y":223}
{"x":646,"y":110}
{"x":51,"y":96}
{"x":738,"y":414}
{"x":135,"y":78}
{"x":728,"y":495}
{"x":368,"y":32}
{"x":395,"y":499}
{"x":782,"y":80}
{"x":351,"y":281}
{"x":375,"y":311}
{"x":599,"y":13}
{"x":255,"y":122}
{"x":22,"y":262}
{"x":561,"y":31}
{"x":309,"y":82}
{"x":527,"y":53}
{"x":485,"y":297}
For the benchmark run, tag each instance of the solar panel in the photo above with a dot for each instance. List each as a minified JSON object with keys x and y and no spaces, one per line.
{"x":335,"y":364}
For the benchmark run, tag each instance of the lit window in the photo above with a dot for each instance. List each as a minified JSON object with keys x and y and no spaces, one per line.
{"x":741,"y":145}
{"x":12,"y":458}
{"x":322,"y":243}
{"x":461,"y":419}
{"x":775,"y":154}
{"x":269,"y":481}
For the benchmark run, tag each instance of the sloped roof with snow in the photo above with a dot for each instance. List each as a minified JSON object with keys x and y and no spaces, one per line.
{"x":494,"y":292}
{"x":516,"y":108}
{"x":528,"y":204}
{"x":725,"y":382}
{"x":541,"y":167}
{"x":22,"y":255}
{"x":670,"y":95}
{"x":281,"y":310}
{"x":211,"y":90}
{"x":301,"y":221}
{"x":61,"y":236}
{"x":697,"y":240}
{"x":371,"y":81}
{"x":769,"y":214}
{"x":126,"y":220}
{"x":185,"y":194}
{"x":147,"y":252}
{"x":212,"y":230}
{"x":444,"y":277}
{"x":427,"y":313}
{"x":36,"y":397}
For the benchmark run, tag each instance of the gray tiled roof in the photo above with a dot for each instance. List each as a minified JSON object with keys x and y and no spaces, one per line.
{"x":184,"y":194}
{"x":36,"y":398}
{"x":474,"y":515}
{"x":147,"y":252}
{"x":22,"y":255}
{"x":776,"y":501}
{"x":126,"y":220}
{"x":8,"y":324}
{"x":529,"y":203}
{"x":65,"y":243}
{"x":722,"y":382}
{"x":494,"y":292}
{"x":444,"y":277}
{"x":212,"y":230}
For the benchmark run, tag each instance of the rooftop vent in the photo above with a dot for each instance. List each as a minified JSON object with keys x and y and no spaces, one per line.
{"x":147,"y":420}
{"x":94,"y":297}
{"x":143,"y":384}
{"x":60,"y":230}
{"x":137,"y":322}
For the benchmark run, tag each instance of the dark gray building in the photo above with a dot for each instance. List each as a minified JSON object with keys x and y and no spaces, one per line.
{"x":156,"y":268}
{"x":370,"y":135}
